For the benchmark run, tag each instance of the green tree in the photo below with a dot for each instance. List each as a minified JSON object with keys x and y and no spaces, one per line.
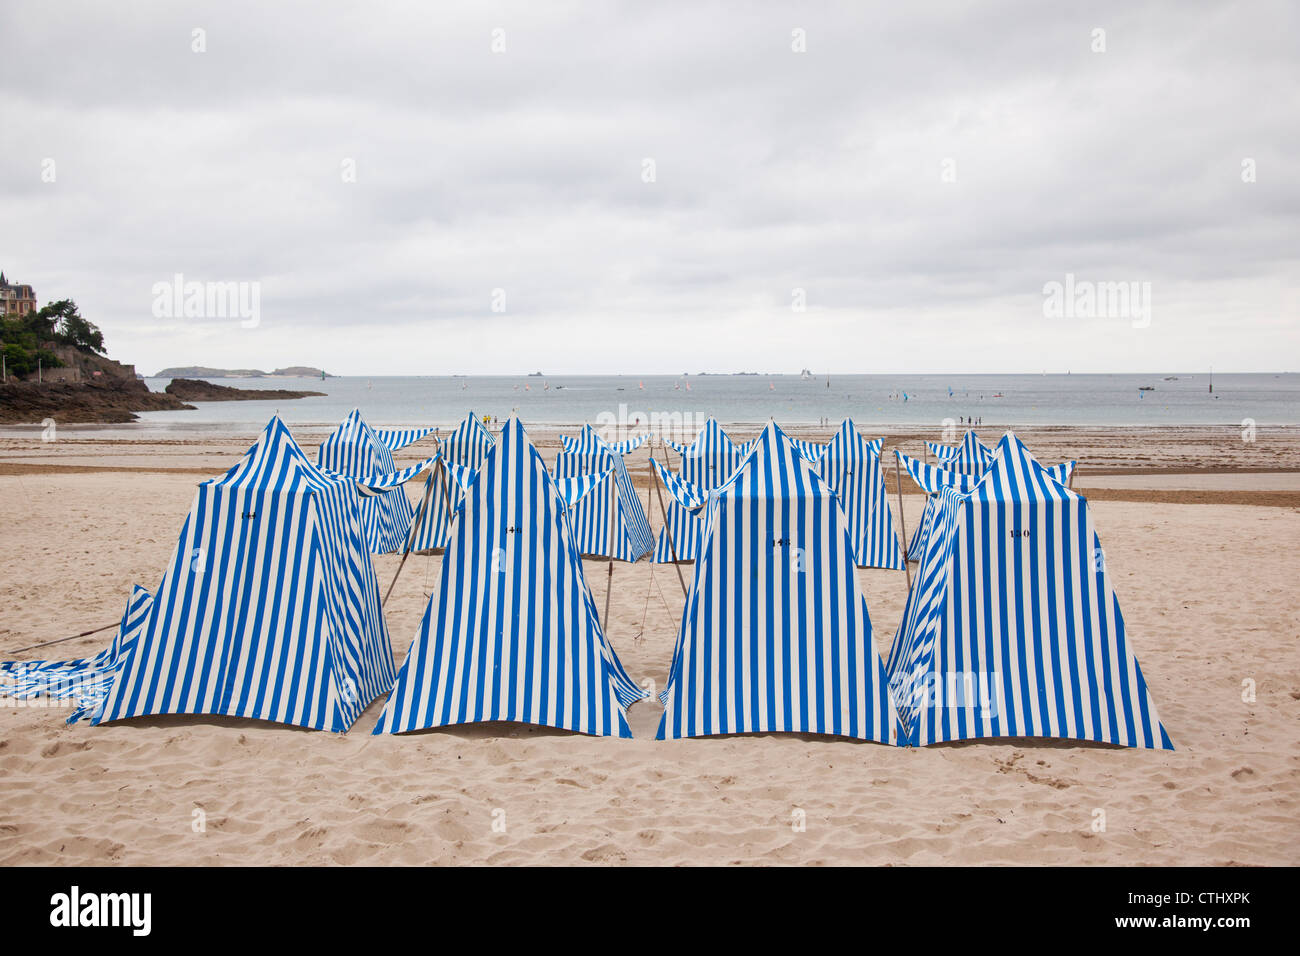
{"x":68,"y":326}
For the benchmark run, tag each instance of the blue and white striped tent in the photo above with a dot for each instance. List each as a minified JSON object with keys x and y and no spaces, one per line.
{"x":513,"y":632}
{"x":630,"y":537}
{"x":269,"y":608}
{"x":82,"y":684}
{"x":1013,"y":628}
{"x":469,"y":444}
{"x":970,"y":456}
{"x":775,"y":635}
{"x":706,"y":462}
{"x":930,"y":479}
{"x":850,"y":466}
{"x":462,"y":452}
{"x":357,"y":450}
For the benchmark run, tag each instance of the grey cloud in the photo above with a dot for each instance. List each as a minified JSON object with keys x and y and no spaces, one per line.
{"x":775,"y":171}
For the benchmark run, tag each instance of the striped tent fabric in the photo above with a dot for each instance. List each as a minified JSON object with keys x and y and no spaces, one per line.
{"x":811,"y":450}
{"x":398,"y":438}
{"x":1013,"y":628}
{"x":469,"y":443}
{"x":588,"y":453}
{"x":574,"y":490}
{"x":970,"y":456}
{"x":382,"y":484}
{"x":269,"y":608}
{"x":629,"y":538}
{"x":589,"y":438}
{"x":706,"y":462}
{"x":775,"y":635}
{"x":464,"y":448}
{"x":710,"y":459}
{"x":959,"y":466}
{"x":356,"y":450}
{"x":590,"y":442}
{"x":933,"y":478}
{"x":439,"y":504}
{"x":850,"y":466}
{"x":80,"y":684}
{"x":513,"y":632}
{"x":691,"y":497}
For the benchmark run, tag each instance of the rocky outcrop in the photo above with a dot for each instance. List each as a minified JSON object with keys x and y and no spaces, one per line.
{"x":194,"y":390}
{"x":106,"y":399}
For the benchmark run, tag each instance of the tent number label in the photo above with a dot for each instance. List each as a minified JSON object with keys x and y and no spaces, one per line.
{"x":781,"y":542}
{"x":1015,"y":533}
{"x":250,"y":514}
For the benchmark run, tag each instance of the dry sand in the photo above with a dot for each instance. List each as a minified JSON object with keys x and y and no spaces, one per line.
{"x":1209,"y":593}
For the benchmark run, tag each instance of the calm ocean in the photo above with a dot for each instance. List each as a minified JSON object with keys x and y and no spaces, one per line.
{"x":1000,"y":400}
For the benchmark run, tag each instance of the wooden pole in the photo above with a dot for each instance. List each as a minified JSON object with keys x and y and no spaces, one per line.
{"x":667,"y":531}
{"x":902,"y":520}
{"x":410,"y":534}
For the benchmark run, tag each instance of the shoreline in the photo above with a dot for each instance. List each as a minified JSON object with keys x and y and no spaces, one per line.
{"x":150,"y":429}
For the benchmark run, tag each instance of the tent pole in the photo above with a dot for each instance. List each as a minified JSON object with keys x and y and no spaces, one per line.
{"x":902,"y":520}
{"x":667,"y":531}
{"x":609,"y":575}
{"x":410,"y":534}
{"x":62,"y":639}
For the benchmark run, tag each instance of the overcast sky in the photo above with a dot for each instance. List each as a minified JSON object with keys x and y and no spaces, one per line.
{"x":920,"y":171}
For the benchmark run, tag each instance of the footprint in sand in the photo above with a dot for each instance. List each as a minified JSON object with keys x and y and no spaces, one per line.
{"x":605,"y":853}
{"x":53,"y":750}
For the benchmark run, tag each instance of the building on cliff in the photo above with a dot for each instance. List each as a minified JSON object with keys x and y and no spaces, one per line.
{"x":16,"y":299}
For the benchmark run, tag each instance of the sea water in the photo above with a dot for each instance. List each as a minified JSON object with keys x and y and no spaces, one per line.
{"x":999,"y":401}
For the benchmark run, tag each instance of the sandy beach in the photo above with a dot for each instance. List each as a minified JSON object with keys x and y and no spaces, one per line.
{"x":1199,"y":527}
